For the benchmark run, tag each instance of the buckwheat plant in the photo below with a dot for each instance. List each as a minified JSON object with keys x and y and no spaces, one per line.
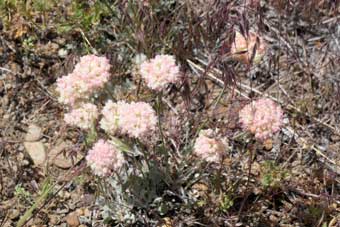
{"x":145,"y":145}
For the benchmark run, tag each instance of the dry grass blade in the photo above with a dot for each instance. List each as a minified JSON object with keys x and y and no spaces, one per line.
{"x":288,"y":130}
{"x":248,"y":88}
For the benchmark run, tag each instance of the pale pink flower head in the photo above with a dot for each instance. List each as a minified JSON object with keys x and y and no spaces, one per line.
{"x":209,"y":147}
{"x":136,"y":119}
{"x":104,"y":158}
{"x":242,"y":48}
{"x":70,"y":89}
{"x":263,"y":118}
{"x":110,"y":119}
{"x":83,"y":117}
{"x":94,"y":71}
{"x":89,"y":75}
{"x":160,"y":71}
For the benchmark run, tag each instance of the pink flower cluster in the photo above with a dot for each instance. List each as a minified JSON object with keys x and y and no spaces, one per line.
{"x":242,"y":48}
{"x":89,"y":75}
{"x":82,"y":117}
{"x":136,"y":119}
{"x":160,"y":71}
{"x":104,"y":158}
{"x":209,"y":147}
{"x":262,"y":118}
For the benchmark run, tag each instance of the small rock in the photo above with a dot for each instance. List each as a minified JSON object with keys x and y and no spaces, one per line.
{"x":268,"y":144}
{"x":84,"y":220}
{"x":57,"y":157}
{"x":67,"y":195}
{"x":227,"y":161}
{"x":335,"y":138}
{"x":6,"y":117}
{"x":80,"y":211}
{"x":36,"y":150}
{"x":62,"y":53}
{"x":273,"y":218}
{"x":62,"y":211}
{"x":54,"y":220}
{"x":14,"y":214}
{"x":72,"y":205}
{"x":87,"y":213}
{"x":5,"y":101}
{"x":21,"y":148}
{"x":34,"y":133}
{"x":72,"y":219}
{"x":38,"y":222}
{"x":25,"y":162}
{"x":20,"y":157}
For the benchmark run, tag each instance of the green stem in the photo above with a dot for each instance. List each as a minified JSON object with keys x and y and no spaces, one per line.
{"x":159,"y":109}
{"x":28,"y":214}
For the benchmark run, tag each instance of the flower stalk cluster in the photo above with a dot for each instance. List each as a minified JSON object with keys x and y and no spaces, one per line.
{"x":138,"y":120}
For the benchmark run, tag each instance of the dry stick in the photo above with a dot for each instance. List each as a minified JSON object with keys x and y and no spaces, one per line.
{"x":93,"y":50}
{"x":166,"y":101}
{"x":288,"y":130}
{"x":6,"y":70}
